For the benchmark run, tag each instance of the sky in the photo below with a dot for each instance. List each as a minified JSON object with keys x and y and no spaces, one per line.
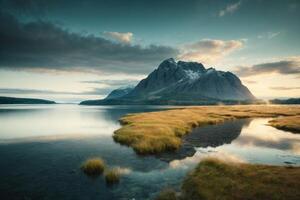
{"x":69,"y":51}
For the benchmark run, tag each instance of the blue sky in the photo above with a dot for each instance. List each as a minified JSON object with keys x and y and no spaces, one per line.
{"x":74,"y":50}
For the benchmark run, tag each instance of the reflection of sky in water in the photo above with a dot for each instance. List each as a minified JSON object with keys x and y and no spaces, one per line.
{"x":54,"y":120}
{"x":256,"y":143}
{"x":50,"y":168}
{"x":25,"y":121}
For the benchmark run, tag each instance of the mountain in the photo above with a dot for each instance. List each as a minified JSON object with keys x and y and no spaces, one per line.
{"x":120,"y":92}
{"x":14,"y":100}
{"x":184,"y":83}
{"x":286,"y":101}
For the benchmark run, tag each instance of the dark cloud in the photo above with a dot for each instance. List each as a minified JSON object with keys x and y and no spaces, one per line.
{"x":34,"y":8}
{"x":290,"y":66}
{"x":285,"y":88}
{"x":42,"y":45}
{"x":93,"y":91}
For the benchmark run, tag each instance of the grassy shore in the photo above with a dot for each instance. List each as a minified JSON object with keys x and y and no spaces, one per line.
{"x":291,"y":123}
{"x":156,"y":132}
{"x":213,"y":179}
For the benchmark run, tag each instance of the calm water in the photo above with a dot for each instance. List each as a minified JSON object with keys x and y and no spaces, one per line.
{"x":42,"y":148}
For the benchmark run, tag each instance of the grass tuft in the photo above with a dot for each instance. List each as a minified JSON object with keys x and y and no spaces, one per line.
{"x":112,"y":176}
{"x":93,"y":167}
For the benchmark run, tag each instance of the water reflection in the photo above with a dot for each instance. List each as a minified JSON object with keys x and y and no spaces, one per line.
{"x":259,"y":134}
{"x":45,"y":168}
{"x":60,"y":121}
{"x":207,"y":136}
{"x":247,"y":140}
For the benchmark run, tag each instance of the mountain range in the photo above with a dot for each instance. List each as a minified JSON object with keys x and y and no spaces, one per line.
{"x":181,"y":83}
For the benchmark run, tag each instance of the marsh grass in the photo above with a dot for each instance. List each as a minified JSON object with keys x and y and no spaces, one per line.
{"x":167,"y":194}
{"x":112,"y":176}
{"x":214,"y":179}
{"x":291,"y":123}
{"x":93,"y":167}
{"x":156,"y":132}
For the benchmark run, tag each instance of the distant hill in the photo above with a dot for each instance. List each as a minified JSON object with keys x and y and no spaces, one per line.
{"x":14,"y":100}
{"x":120,"y":92}
{"x":286,"y":101}
{"x":184,"y":83}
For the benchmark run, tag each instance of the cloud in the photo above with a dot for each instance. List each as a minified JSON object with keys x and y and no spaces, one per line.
{"x":199,"y":156}
{"x":93,"y":91}
{"x":209,"y":51}
{"x":120,"y":37}
{"x":288,"y":66}
{"x":285,"y":88}
{"x":250,"y":81}
{"x":231,"y":8}
{"x":269,"y":35}
{"x":113,"y":83}
{"x":45,"y":46}
{"x":27,"y":7}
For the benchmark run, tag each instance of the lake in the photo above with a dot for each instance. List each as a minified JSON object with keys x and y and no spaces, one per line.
{"x":43,"y":146}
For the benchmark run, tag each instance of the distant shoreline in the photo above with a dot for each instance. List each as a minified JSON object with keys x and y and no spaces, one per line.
{"x":15,"y":100}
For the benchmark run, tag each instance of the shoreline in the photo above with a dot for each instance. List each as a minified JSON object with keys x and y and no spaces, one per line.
{"x":162,"y":131}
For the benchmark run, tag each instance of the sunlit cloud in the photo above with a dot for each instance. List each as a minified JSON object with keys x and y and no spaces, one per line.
{"x":250,"y":81}
{"x":199,"y":156}
{"x":120,"y":37}
{"x":123,"y":82}
{"x":92,"y":91}
{"x":285,"y":88}
{"x":209,"y":51}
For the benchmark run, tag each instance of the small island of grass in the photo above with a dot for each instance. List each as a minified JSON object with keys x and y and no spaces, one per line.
{"x":112,"y":176}
{"x":157,"y":132}
{"x":214,"y":179}
{"x":93,"y":167}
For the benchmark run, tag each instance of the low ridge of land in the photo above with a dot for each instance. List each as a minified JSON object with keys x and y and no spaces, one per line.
{"x":16,"y":100}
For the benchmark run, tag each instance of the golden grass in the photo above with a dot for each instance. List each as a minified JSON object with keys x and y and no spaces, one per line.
{"x":291,"y":123}
{"x":93,"y":167}
{"x":112,"y":176}
{"x":156,"y":132}
{"x":213,"y":179}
